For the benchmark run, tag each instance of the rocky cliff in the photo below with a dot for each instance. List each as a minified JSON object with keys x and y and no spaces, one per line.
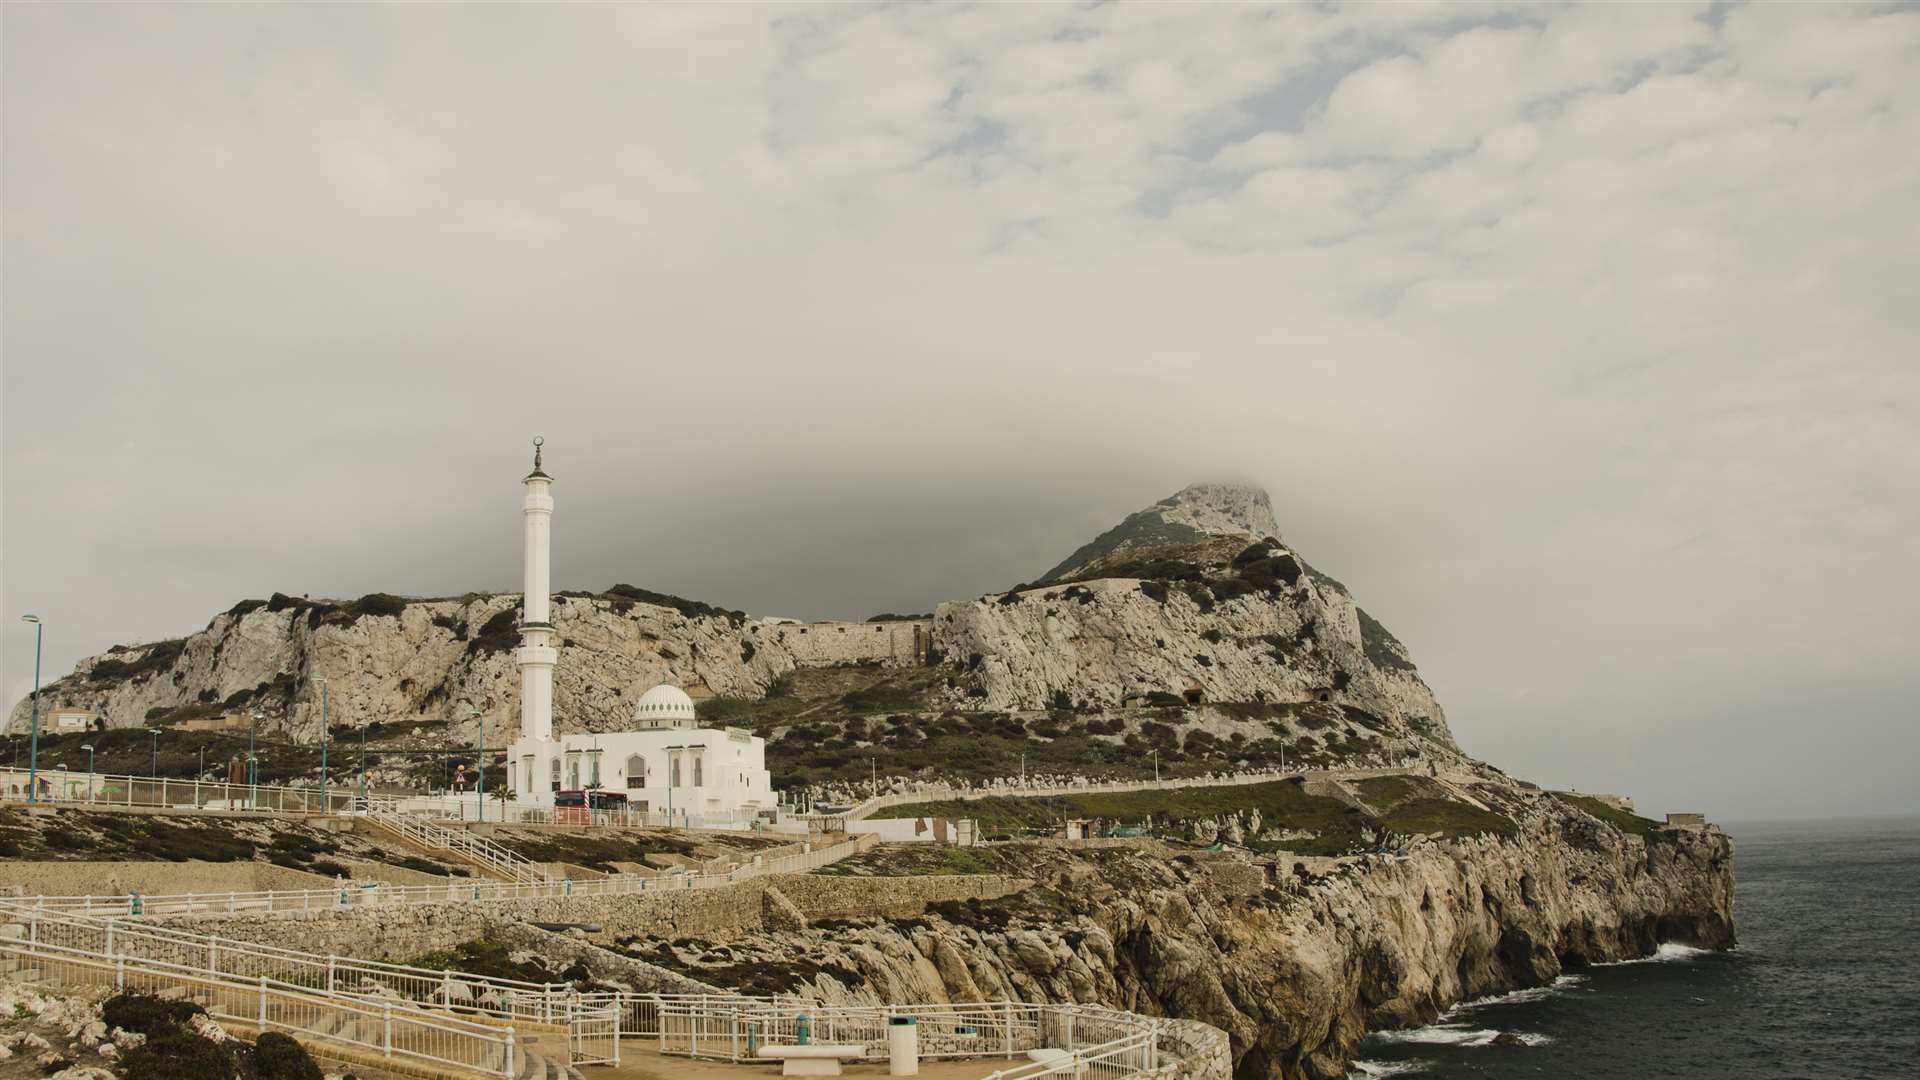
{"x":388,"y":658}
{"x":1195,"y":512}
{"x":1193,"y":600}
{"x":1295,"y":958}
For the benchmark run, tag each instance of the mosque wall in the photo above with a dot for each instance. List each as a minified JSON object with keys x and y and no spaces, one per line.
{"x":826,"y":644}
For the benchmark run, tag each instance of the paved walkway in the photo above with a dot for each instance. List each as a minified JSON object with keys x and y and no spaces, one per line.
{"x":636,"y":1064}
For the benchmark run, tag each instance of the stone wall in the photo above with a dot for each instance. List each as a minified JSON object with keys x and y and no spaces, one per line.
{"x":822,"y":896}
{"x":61,"y":878}
{"x":825,"y":644}
{"x":398,"y":932}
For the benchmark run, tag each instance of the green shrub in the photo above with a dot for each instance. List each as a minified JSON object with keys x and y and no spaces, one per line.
{"x":277,"y":1057}
{"x":377,"y":604}
{"x":145,"y":1013}
{"x":179,"y":1055}
{"x":501,"y":633}
{"x":690,"y":608}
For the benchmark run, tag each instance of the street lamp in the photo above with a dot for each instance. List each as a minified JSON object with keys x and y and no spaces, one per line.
{"x":88,"y":747}
{"x":33,"y":756}
{"x":153,"y":767}
{"x":480,"y":781}
{"x":253,"y":763}
{"x":363,"y":763}
{"x":324,"y":735}
{"x":1156,"y":765}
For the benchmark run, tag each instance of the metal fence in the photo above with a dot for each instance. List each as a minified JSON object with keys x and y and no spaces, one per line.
{"x":384,"y":1030}
{"x":65,"y":788}
{"x":478,"y":849}
{"x":350,"y":894}
{"x":1083,"y":1041}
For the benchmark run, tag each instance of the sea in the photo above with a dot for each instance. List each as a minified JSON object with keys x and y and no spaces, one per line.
{"x":1825,"y":982}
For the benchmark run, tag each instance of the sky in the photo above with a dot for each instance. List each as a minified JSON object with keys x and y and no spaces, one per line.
{"x":1580,"y":342}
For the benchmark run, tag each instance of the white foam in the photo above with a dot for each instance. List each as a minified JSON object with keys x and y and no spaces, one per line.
{"x":1441,"y":1035}
{"x":1457,"y":1035}
{"x":1668,"y":953}
{"x":1375,"y":1070}
{"x":1532,"y":993}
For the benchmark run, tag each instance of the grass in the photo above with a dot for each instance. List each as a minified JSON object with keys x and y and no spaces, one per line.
{"x":1629,"y":823}
{"x":1283,"y":803}
{"x":1385,"y":791}
{"x":593,"y":852}
{"x":1409,"y":807}
{"x":1446,"y":817}
{"x":919,"y":860}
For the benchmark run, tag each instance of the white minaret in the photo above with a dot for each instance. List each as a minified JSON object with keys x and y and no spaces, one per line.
{"x":537,"y":656}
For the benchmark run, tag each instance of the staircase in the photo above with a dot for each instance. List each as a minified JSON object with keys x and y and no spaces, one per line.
{"x":373,"y":1027}
{"x":477,"y":850}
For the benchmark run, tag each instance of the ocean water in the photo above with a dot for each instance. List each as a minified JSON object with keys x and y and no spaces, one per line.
{"x":1825,"y":983}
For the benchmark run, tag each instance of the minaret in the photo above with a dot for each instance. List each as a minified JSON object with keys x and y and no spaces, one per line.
{"x":537,"y":656}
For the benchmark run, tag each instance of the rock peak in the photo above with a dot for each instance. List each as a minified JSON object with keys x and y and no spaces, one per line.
{"x":1195,"y":512}
{"x":1221,"y":509}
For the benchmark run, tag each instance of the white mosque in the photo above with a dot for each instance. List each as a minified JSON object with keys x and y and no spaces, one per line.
{"x":665,"y":763}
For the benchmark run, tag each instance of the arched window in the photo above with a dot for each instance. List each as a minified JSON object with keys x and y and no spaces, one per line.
{"x":696,"y":770}
{"x":636,"y":771}
{"x":556,"y":773}
{"x":673,"y":761}
{"x":573,"y":773}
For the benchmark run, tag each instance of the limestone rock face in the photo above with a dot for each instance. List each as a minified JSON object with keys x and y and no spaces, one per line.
{"x":432,"y":659}
{"x":1297,"y":969}
{"x":1195,"y":512}
{"x":1113,"y":641}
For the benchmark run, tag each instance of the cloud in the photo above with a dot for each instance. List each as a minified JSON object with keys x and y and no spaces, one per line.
{"x":1577,"y":340}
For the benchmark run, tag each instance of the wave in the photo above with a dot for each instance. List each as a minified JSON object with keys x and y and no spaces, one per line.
{"x":1457,"y":1035}
{"x":1668,"y":953}
{"x":1376,"y":1070}
{"x":1514,"y":997}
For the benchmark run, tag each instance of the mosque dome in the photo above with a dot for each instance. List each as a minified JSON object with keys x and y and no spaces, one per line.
{"x":664,"y":702}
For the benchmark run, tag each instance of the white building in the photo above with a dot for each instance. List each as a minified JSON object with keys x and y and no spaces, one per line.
{"x":665,"y":762}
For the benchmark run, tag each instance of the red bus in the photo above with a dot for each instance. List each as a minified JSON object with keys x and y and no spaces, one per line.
{"x":576,"y":807}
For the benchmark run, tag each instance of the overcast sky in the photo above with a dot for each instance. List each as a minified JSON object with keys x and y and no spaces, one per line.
{"x":1579,"y":342}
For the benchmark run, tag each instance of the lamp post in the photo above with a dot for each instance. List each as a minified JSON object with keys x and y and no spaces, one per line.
{"x":33,"y":755}
{"x":153,"y":763}
{"x":480,"y":776}
{"x":253,"y":763}
{"x":1156,"y":765}
{"x":363,"y":764}
{"x":88,"y":747}
{"x":324,"y":734}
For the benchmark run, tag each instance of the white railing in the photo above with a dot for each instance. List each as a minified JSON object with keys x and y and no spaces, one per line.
{"x":938,"y":792}
{"x":61,"y":787}
{"x":1092,"y":1041}
{"x":424,"y":1013}
{"x":385,"y":1030}
{"x":355,"y":895}
{"x":513,"y":865}
{"x":544,"y":1003}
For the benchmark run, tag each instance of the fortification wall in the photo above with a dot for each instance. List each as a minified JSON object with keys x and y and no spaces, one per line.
{"x":114,"y":878}
{"x":400,"y":932}
{"x":821,"y":896}
{"x":825,"y":644}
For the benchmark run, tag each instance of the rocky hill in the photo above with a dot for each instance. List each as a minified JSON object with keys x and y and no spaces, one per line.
{"x":1195,"y":512}
{"x":1186,"y":607}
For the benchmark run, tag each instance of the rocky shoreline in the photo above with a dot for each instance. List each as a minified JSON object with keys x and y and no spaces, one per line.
{"x":1295,"y":959}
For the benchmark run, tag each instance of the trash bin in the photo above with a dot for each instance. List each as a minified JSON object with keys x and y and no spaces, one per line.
{"x":903,"y":1046}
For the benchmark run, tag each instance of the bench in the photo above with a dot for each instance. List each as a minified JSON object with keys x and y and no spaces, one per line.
{"x":813,"y":1059}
